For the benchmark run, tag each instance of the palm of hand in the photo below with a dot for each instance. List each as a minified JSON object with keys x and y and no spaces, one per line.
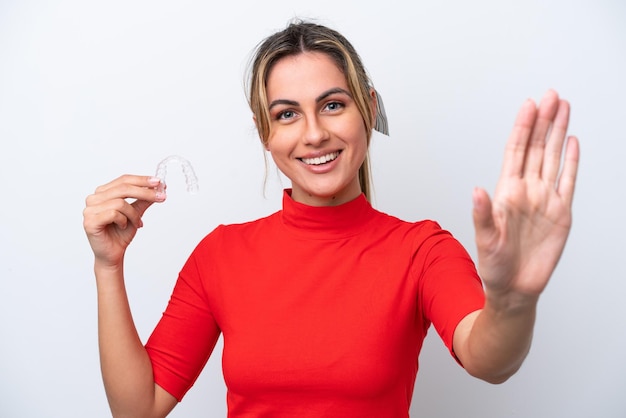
{"x":520,"y":235}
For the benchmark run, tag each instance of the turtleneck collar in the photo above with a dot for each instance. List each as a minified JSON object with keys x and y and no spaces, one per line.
{"x":326,"y":222}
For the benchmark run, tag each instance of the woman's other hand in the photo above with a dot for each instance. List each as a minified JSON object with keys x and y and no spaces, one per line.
{"x":521,"y":232}
{"x":113,"y":214}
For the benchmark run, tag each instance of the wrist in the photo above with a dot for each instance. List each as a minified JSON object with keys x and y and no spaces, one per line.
{"x":510,"y":302}
{"x":108,"y":274}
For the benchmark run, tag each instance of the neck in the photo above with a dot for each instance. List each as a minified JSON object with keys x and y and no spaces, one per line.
{"x":336,"y":199}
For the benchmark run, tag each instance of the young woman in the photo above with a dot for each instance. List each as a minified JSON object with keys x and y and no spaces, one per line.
{"x":323,"y":305}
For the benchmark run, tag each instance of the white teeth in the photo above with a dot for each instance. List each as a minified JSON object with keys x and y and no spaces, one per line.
{"x":320,"y":160}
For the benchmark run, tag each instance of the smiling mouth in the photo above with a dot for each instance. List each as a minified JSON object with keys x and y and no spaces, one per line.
{"x":321,"y":160}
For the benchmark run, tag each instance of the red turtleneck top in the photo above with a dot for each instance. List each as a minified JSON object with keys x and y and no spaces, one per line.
{"x":323,"y":310}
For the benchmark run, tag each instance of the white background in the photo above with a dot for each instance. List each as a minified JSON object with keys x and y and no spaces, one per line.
{"x":92,"y":90}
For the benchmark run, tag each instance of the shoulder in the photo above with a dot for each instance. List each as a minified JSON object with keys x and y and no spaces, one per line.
{"x":225,"y":233}
{"x":426,"y":239}
{"x":419,"y":229}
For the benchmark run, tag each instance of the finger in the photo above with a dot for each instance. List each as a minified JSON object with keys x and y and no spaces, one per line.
{"x":536,"y":147}
{"x":95,"y":221}
{"x":482,"y":214}
{"x":130,"y":179}
{"x":567,"y":182}
{"x":119,"y":219}
{"x":129,"y":187}
{"x":515,"y":151}
{"x":141,"y":206}
{"x":116,"y":211}
{"x":554,"y":147}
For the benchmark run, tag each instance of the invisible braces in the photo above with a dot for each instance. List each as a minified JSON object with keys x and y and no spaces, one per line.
{"x":190,"y":175}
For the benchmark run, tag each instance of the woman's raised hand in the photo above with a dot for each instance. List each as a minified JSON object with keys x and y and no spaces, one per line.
{"x":521,"y":232}
{"x":111,"y":221}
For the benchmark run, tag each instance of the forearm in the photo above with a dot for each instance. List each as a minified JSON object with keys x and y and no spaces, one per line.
{"x":126,"y":367}
{"x":497,"y":339}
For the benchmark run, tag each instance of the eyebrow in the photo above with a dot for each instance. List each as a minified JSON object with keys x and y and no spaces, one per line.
{"x":318,"y":99}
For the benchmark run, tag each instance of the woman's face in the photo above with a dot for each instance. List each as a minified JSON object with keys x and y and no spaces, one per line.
{"x":317,"y":136}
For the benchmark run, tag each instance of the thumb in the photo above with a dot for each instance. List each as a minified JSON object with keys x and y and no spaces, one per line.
{"x":484,"y":224}
{"x":141,"y":206}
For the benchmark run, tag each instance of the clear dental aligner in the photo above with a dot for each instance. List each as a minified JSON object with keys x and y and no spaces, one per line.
{"x":190,"y":175}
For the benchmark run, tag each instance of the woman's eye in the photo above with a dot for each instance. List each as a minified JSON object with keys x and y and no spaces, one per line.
{"x":285,"y":115}
{"x":332,"y":106}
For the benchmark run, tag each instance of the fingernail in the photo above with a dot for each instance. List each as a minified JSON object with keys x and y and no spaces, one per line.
{"x":160,"y":196}
{"x":153,"y":181}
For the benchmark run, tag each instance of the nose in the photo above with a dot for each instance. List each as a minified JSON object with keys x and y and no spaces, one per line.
{"x":315,"y":132}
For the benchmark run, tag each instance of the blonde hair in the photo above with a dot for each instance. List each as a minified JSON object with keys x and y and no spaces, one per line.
{"x":299,"y":37}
